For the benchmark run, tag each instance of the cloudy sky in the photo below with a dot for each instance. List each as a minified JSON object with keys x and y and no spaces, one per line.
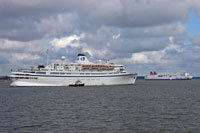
{"x":144,"y":35}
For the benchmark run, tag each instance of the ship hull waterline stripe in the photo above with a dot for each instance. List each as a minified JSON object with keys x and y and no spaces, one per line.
{"x":72,"y":76}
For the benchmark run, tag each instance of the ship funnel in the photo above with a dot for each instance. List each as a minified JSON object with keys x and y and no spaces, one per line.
{"x":82,"y":59}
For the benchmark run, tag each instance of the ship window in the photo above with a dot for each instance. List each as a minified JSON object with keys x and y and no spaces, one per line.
{"x":54,"y":73}
{"x":40,"y":72}
{"x":33,"y":78}
{"x":95,"y":73}
{"x":32,"y":72}
{"x":86,"y":68}
{"x":62,"y":73}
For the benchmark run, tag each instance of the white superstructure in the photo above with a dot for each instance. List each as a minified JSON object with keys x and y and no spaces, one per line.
{"x":169,"y":76}
{"x":82,"y":71}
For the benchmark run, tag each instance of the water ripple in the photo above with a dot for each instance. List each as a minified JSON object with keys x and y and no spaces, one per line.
{"x":147,"y":107}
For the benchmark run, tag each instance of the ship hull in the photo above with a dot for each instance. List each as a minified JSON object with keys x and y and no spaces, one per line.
{"x":49,"y":80}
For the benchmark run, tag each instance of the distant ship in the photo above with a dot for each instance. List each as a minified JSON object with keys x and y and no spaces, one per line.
{"x":168,"y":76}
{"x":81,"y":73}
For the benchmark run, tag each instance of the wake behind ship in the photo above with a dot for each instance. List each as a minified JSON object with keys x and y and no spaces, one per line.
{"x":82,"y":72}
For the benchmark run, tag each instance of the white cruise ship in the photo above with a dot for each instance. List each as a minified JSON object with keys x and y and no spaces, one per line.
{"x":82,"y":72}
{"x":168,"y":76}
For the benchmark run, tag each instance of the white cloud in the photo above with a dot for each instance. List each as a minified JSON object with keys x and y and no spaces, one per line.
{"x":86,"y":50}
{"x":75,"y":42}
{"x":72,"y":40}
{"x":115,"y":37}
{"x":140,"y":58}
{"x":15,"y":57}
{"x":56,"y":25}
{"x":156,"y":57}
{"x":13,"y":46}
{"x":10,"y":45}
{"x":171,"y":29}
{"x":196,"y":40}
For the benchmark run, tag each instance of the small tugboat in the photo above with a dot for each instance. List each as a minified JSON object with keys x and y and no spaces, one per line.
{"x":78,"y":83}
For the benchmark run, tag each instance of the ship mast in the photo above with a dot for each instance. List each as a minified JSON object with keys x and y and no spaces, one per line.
{"x":47,"y":52}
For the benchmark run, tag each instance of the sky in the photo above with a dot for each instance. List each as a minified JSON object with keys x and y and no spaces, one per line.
{"x":144,"y":35}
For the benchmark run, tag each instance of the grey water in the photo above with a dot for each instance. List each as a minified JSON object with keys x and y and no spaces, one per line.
{"x":146,"y":107}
